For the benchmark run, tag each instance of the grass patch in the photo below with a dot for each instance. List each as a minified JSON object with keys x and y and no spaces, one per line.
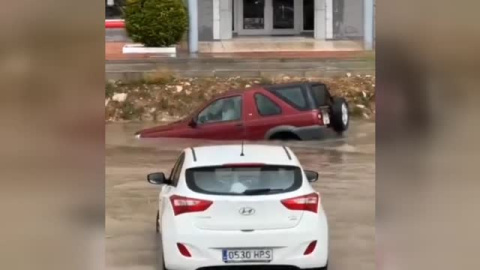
{"x":161,"y":77}
{"x":265,"y":80}
{"x":163,"y":96}
{"x":128,"y":111}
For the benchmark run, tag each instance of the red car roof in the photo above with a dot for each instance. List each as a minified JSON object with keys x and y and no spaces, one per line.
{"x":233,"y":92}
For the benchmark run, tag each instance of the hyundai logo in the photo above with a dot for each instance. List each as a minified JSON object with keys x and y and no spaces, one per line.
{"x":246,"y":211}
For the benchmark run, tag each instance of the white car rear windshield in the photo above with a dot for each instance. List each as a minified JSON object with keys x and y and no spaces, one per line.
{"x":244,"y":180}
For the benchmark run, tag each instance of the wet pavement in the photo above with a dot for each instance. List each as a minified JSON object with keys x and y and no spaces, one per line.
{"x":347,"y":186}
{"x":246,"y":66}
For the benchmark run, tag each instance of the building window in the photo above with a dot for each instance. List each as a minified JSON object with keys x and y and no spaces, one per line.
{"x":253,"y":14}
{"x":308,"y":15}
{"x":283,"y":14}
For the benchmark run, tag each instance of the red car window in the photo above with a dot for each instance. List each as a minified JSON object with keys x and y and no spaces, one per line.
{"x":320,"y":95}
{"x":265,"y":106}
{"x":294,"y":96}
{"x":222,"y":110}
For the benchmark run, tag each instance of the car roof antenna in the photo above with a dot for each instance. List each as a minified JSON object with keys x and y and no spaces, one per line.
{"x":242,"y":153}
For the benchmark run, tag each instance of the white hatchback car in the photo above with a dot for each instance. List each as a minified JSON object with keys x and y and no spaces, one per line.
{"x":242,"y":206}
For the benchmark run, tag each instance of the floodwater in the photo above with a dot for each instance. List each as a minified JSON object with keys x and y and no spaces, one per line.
{"x":347,"y":186}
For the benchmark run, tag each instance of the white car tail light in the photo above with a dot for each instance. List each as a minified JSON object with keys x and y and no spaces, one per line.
{"x":310,"y":248}
{"x":182,"y":205}
{"x":304,"y":203}
{"x":183,"y":250}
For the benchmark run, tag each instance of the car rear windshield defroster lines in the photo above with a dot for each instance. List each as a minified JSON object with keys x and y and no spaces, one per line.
{"x":244,"y":181}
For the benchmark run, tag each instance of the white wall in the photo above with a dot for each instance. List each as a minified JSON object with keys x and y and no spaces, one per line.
{"x":226,"y":8}
{"x":352,"y":19}
{"x":320,"y":20}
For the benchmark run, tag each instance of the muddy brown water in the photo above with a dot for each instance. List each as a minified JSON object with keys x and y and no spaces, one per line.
{"x":346,"y":166}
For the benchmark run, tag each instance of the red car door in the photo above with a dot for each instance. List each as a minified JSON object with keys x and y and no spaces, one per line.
{"x":260,"y":120}
{"x":222,"y":119}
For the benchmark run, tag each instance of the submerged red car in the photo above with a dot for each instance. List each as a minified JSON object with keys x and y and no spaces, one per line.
{"x":297,"y":111}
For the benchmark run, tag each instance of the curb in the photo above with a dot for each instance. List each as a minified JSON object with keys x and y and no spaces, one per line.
{"x":115,"y":24}
{"x":132,"y":76}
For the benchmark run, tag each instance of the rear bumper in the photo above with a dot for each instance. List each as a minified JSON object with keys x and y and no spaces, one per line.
{"x":310,"y":132}
{"x":288,"y":245}
{"x":249,"y":267}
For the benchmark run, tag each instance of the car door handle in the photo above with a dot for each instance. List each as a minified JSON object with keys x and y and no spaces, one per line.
{"x":239,"y":125}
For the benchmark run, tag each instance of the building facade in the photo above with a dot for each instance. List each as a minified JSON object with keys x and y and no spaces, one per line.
{"x":319,"y":19}
{"x":218,"y":20}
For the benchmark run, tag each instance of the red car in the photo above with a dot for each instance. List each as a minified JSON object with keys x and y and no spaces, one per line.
{"x":296,"y":111}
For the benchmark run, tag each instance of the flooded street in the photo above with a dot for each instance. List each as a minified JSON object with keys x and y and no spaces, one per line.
{"x":347,"y":186}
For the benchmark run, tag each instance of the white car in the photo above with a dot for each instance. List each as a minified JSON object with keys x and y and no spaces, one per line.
{"x":240,"y":205}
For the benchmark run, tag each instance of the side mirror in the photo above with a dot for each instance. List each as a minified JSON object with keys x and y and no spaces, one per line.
{"x":193,"y":123}
{"x":311,"y":176}
{"x":157,"y":179}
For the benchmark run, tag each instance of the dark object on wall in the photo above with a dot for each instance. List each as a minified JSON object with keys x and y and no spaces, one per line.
{"x":114,"y":11}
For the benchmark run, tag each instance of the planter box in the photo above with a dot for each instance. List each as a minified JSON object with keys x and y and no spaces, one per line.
{"x":115,"y":24}
{"x":139,"y":48}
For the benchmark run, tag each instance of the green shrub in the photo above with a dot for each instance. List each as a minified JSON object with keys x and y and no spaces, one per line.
{"x":156,"y":23}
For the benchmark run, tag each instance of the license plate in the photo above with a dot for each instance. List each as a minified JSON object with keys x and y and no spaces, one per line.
{"x":326,"y":118}
{"x":247,"y":255}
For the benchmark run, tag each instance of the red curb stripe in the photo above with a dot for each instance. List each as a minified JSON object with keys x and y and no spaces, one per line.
{"x":114,"y":24}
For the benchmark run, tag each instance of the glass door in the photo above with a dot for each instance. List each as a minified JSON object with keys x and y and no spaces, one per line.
{"x":269,"y":17}
{"x":283,"y":14}
{"x":286,"y":17}
{"x":252,"y":17}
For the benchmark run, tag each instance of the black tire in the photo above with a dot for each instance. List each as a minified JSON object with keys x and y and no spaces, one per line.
{"x":157,"y":225}
{"x":163,"y":263}
{"x":321,"y":268}
{"x":337,"y":120}
{"x":162,"y":256}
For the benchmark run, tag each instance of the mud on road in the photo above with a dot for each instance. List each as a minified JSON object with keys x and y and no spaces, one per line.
{"x":347,"y":185}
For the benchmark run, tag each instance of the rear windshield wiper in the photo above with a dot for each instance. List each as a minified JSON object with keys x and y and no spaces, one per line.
{"x":260,"y":191}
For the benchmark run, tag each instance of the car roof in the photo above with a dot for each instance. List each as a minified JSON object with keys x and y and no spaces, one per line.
{"x":218,"y":155}
{"x":290,"y":84}
{"x":233,"y":92}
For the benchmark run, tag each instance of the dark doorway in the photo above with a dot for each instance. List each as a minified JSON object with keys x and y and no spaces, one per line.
{"x":338,"y":11}
{"x":308,"y":15}
{"x":283,"y":14}
{"x":253,"y":14}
